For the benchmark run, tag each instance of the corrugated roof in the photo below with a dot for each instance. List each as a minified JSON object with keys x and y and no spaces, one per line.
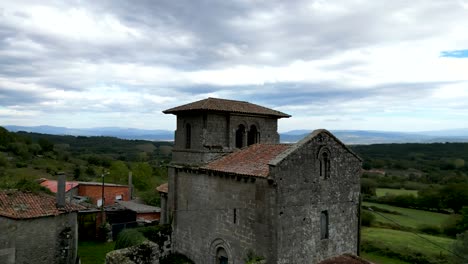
{"x":224,"y":105}
{"x":24,"y":205}
{"x":251,"y":161}
{"x":164,"y":188}
{"x":138,"y":207}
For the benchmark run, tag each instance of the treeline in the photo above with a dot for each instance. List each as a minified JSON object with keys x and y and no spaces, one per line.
{"x":28,"y":156}
{"x":436,"y":163}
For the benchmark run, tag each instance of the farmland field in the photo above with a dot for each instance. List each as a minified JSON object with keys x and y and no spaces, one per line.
{"x":400,"y":241}
{"x":411,"y":218}
{"x":384,"y":191}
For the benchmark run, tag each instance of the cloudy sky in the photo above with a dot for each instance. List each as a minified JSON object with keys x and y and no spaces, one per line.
{"x":355,"y":64}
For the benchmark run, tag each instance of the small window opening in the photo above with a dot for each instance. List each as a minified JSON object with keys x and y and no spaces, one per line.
{"x":235,"y":216}
{"x":324,"y":224}
{"x":240,"y":132}
{"x":205,"y":121}
{"x":325,"y":165}
{"x":188,"y":136}
{"x":252,"y":136}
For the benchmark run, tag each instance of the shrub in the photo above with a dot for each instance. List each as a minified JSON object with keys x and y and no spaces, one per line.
{"x":429,"y":229}
{"x":175,"y":258}
{"x":450,"y":226}
{"x":157,"y":234}
{"x":367,"y":218}
{"x":128,"y":238}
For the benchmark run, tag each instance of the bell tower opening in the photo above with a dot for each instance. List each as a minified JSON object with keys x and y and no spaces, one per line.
{"x":252,"y":136}
{"x":240,"y":132}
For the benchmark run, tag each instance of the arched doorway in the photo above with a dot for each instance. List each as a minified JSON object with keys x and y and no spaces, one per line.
{"x":221,"y":256}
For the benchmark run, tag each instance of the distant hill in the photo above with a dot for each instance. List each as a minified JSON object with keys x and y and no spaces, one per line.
{"x":119,"y":132}
{"x":356,"y":137}
{"x":347,"y":136}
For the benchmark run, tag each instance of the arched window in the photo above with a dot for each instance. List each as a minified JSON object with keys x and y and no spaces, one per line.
{"x":324,"y":158}
{"x":188,"y":136}
{"x":252,"y":136}
{"x":240,"y":132}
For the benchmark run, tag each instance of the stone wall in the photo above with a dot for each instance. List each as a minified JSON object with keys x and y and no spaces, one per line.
{"x":219,"y":211}
{"x":45,"y":240}
{"x":214,"y":134}
{"x":303,"y":194}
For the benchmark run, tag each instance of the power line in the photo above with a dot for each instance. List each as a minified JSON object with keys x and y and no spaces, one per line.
{"x":416,"y":234}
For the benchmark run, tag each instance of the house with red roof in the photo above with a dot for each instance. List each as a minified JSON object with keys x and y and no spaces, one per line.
{"x":234,"y":189}
{"x":37,"y":228}
{"x":91,"y":190}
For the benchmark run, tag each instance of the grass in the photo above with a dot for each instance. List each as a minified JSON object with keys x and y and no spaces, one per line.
{"x":411,"y":218}
{"x":92,"y":252}
{"x":401,"y":241}
{"x":384,"y":191}
{"x":378,"y":259}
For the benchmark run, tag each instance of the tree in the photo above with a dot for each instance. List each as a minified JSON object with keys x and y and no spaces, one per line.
{"x":455,"y":196}
{"x":368,"y":186}
{"x":460,"y":247}
{"x":45,"y":144}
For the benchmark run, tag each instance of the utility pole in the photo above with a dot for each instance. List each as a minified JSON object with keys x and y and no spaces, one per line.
{"x":102,"y":197}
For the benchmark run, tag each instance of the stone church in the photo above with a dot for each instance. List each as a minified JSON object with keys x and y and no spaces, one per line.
{"x":234,"y":190}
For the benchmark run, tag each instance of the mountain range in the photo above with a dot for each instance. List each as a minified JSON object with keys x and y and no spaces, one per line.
{"x":347,"y":136}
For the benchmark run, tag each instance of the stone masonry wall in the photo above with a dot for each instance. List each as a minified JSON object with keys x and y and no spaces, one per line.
{"x":214,"y":134}
{"x":46,"y":240}
{"x":215,"y":211}
{"x":303,"y":194}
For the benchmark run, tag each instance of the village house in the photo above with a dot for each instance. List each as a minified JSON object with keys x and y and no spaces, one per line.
{"x":37,"y":228}
{"x":91,"y":190}
{"x":234,"y":189}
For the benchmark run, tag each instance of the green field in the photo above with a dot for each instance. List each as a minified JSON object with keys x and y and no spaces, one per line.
{"x":411,"y":218}
{"x":400,"y":241}
{"x":384,"y":191}
{"x":374,"y":258}
{"x":92,"y":252}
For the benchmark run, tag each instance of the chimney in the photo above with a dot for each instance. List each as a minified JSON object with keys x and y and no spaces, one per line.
{"x":61,"y":190}
{"x":130,"y":184}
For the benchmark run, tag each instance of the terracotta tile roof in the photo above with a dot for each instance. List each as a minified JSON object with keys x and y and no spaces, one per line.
{"x":345,"y":259}
{"x":224,"y":105}
{"x":52,"y":185}
{"x":251,"y":161}
{"x":164,"y":188}
{"x":23,"y":205}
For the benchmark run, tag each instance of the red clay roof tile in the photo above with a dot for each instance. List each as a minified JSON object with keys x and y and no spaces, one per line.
{"x":251,"y":161}
{"x":164,"y":188}
{"x":224,"y":105}
{"x":23,"y":205}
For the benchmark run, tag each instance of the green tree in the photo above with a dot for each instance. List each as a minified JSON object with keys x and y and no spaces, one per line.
{"x":455,"y":196}
{"x":142,"y":173}
{"x":368,"y":187}
{"x":46,"y":145}
{"x":118,"y":171}
{"x":460,"y":248}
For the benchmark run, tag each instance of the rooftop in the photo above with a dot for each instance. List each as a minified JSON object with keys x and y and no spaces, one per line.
{"x":52,"y":184}
{"x":139,"y":207}
{"x":25,"y":205}
{"x":252,"y":161}
{"x":163,"y":188}
{"x":224,"y":105}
